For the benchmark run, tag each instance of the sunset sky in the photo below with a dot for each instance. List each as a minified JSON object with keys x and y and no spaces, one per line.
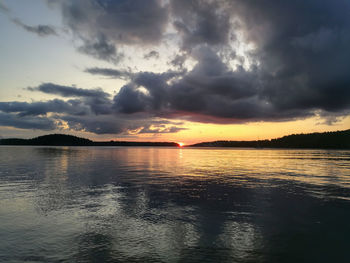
{"x":174,"y":70}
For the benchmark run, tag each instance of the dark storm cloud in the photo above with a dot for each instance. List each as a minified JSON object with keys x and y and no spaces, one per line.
{"x":304,"y":54}
{"x":123,"y":21}
{"x":201,"y":22}
{"x":146,"y":92}
{"x":303,"y":66}
{"x":210,"y":88}
{"x":28,"y":122}
{"x":40,"y":30}
{"x":299,"y":62}
{"x":301,"y":50}
{"x":108,"y":72}
{"x":130,"y":100}
{"x":101,"y":24}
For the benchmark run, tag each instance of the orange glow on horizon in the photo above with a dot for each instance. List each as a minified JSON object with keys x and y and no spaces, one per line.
{"x":205,"y":132}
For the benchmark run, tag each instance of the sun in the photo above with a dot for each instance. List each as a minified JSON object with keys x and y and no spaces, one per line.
{"x":181,"y":144}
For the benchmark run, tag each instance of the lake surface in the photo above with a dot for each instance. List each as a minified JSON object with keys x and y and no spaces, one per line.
{"x":81,"y":204}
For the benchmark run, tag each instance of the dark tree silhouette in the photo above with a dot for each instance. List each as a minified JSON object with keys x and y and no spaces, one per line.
{"x":326,"y":140}
{"x":69,"y":140}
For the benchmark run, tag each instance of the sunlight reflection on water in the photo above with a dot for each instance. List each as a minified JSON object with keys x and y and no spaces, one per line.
{"x":64,"y":204}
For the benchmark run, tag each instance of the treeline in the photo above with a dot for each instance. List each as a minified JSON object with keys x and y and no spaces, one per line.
{"x":325,"y":140}
{"x":69,"y":140}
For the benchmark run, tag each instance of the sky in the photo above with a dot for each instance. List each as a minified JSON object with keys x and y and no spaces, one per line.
{"x":174,"y":70}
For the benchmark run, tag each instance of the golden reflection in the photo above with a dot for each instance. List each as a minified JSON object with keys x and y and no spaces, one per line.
{"x":240,"y":166}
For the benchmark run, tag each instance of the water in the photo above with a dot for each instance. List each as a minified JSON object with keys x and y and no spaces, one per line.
{"x":76,"y":204}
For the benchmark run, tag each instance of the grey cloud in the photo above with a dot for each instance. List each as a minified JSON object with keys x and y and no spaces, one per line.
{"x":332,"y":118}
{"x":303,"y":66}
{"x":42,"y":108}
{"x":95,"y":99}
{"x":111,"y":124}
{"x":178,"y":61}
{"x":100,"y":125}
{"x":212,"y":92}
{"x":27,"y":115}
{"x":130,"y":100}
{"x":28,"y":122}
{"x":123,"y":21}
{"x":201,"y":22}
{"x":108,"y":72}
{"x":102,"y":49}
{"x":40,"y":30}
{"x":68,"y":91}
{"x":91,"y":111}
{"x":302,"y":69}
{"x":151,"y":54}
{"x":210,"y":88}
{"x":102,"y":24}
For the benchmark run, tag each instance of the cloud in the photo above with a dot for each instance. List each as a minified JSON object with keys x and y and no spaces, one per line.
{"x":151,"y":54}
{"x":178,"y":61}
{"x":40,"y":30}
{"x":74,"y":107}
{"x":301,"y":67}
{"x":159,"y":129}
{"x":111,"y":124}
{"x":91,"y":110}
{"x":201,"y":22}
{"x":212,"y":92}
{"x":4,"y":8}
{"x":101,"y":48}
{"x":27,"y":122}
{"x":100,"y":125}
{"x":108,"y":72}
{"x":75,"y":115}
{"x":250,"y":61}
{"x":103,"y":24}
{"x":130,"y":99}
{"x":210,"y":88}
{"x":96,"y":100}
{"x":68,"y":91}
{"x":147,"y":92}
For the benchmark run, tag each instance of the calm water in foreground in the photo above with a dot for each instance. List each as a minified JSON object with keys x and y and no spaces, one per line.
{"x":79,"y":204}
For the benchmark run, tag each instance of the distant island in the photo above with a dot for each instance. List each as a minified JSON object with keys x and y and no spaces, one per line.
{"x":325,"y":140}
{"x":69,"y":140}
